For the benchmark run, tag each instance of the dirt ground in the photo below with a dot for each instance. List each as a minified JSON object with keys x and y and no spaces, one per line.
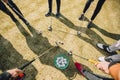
{"x":20,"y":43}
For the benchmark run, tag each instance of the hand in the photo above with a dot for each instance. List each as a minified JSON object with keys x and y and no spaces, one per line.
{"x":14,"y":72}
{"x":6,"y":1}
{"x":103,"y":66}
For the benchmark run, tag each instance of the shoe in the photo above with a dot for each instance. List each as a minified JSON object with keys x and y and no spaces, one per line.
{"x":106,"y":49}
{"x":15,"y":20}
{"x":89,"y":25}
{"x":103,"y":59}
{"x":79,"y":68}
{"x":27,"y":23}
{"x":57,"y":15}
{"x":81,"y":17}
{"x":48,"y":14}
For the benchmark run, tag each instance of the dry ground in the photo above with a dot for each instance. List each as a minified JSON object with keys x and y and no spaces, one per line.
{"x":20,"y":43}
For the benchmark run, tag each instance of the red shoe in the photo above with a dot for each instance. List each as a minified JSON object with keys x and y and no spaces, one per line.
{"x":79,"y":68}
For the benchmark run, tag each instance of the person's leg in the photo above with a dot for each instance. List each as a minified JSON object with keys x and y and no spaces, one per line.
{"x":50,"y":5}
{"x":50,"y":8}
{"x":87,"y":5}
{"x":6,"y":11}
{"x":92,"y":76}
{"x":58,"y":2}
{"x":115,"y":46}
{"x":14,"y":5}
{"x":18,"y":14}
{"x":97,"y":10}
{"x":110,"y":49}
{"x":113,"y":58}
{"x":88,"y":75}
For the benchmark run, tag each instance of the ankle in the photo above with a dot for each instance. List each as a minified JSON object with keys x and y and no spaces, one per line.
{"x":108,"y":49}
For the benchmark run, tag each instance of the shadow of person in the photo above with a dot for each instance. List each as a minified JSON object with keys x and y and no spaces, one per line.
{"x":89,"y":36}
{"x":85,"y":19}
{"x":106,"y":33}
{"x":38,"y":44}
{"x":11,"y":58}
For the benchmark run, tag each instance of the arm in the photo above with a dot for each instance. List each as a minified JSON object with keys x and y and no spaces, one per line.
{"x":10,"y":73}
{"x":103,"y":66}
{"x":112,"y":68}
{"x":5,"y":76}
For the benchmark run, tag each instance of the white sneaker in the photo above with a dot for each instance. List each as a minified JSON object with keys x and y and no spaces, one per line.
{"x":101,"y":59}
{"x":99,"y":45}
{"x":106,"y":48}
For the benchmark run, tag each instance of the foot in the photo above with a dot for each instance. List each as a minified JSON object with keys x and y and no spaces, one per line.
{"x":57,"y":15}
{"x":27,"y":23}
{"x":103,"y":59}
{"x":89,"y":25}
{"x":106,"y":49}
{"x":79,"y":68}
{"x":81,"y":17}
{"x":15,"y":20}
{"x":48,"y":14}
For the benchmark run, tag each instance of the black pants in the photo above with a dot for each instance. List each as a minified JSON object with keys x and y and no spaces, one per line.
{"x":6,"y":11}
{"x":13,"y":6}
{"x":97,"y":10}
{"x":58,"y":2}
{"x":91,"y":76}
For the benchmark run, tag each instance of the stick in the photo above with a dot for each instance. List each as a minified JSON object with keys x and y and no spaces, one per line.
{"x":28,"y":63}
{"x":90,"y":60}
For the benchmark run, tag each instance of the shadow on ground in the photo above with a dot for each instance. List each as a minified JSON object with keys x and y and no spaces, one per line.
{"x":38,"y":44}
{"x":104,"y":32}
{"x":10,"y":58}
{"x":94,"y":38}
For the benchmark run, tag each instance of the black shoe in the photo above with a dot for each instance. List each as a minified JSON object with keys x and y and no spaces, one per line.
{"x":57,"y":15}
{"x":103,"y":59}
{"x":105,"y":48}
{"x":15,"y":20}
{"x":48,"y":14}
{"x":89,"y":25}
{"x":81,"y":17}
{"x":27,"y":23}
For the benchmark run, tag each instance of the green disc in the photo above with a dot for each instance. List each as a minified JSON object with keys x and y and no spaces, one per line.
{"x":61,"y":61}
